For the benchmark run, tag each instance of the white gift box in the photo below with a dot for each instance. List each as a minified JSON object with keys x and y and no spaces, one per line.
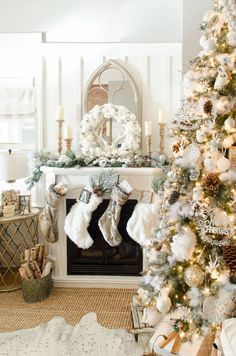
{"x":165,"y":328}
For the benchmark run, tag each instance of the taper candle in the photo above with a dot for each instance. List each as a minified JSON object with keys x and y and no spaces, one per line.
{"x":148,"y":128}
{"x":60,"y":113}
{"x":67,"y":132}
{"x":160,"y":117}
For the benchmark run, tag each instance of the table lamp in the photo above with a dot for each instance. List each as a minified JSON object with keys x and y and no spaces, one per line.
{"x":13,"y":166}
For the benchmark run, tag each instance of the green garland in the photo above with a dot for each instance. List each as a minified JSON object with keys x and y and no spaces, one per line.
{"x":70,"y":160}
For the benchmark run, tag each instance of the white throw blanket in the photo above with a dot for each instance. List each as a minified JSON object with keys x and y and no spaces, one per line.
{"x":57,"y":338}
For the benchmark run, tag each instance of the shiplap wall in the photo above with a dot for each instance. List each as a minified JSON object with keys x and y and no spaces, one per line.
{"x":66,"y":68}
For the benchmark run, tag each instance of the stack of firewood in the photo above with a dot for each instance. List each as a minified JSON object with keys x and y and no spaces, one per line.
{"x":35,"y":263}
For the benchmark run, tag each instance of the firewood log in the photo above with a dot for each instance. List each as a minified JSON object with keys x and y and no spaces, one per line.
{"x":23,"y":274}
{"x":47,"y":269}
{"x":37,"y":246}
{"x":28,"y":270}
{"x":40,"y":256}
{"x":45,"y":259}
{"x":37,"y":267}
{"x":27,"y":255}
{"x":33,"y":254}
{"x":36,"y":274}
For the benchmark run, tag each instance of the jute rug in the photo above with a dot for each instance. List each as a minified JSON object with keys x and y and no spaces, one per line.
{"x":112,"y":307}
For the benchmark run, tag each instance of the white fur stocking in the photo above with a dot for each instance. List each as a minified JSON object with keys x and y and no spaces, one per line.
{"x":141,"y":223}
{"x":78,"y":219}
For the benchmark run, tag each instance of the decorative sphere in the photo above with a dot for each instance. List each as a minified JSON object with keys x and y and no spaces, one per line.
{"x":229,"y":123}
{"x":223,"y":164}
{"x":194,"y":276}
{"x":163,"y":304}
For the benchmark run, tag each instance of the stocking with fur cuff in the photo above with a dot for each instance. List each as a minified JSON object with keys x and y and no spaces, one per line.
{"x":49,"y":215}
{"x":108,"y":223}
{"x":78,"y":219}
{"x":141,"y":223}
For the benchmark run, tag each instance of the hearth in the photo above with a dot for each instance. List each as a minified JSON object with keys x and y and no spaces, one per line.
{"x":102,"y":259}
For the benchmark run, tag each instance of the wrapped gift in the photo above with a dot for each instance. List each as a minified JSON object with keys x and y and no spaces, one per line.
{"x":165,"y":342}
{"x":228,"y":337}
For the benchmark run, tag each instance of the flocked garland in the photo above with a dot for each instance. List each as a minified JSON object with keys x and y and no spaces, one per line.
{"x":70,"y":160}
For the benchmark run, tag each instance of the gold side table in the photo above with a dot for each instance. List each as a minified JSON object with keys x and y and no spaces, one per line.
{"x":17,"y":234}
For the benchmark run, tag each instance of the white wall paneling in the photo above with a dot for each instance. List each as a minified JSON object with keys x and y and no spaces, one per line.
{"x":156,"y":69}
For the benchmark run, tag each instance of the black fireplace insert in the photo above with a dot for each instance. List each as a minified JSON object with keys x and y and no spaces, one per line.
{"x":100,"y":258}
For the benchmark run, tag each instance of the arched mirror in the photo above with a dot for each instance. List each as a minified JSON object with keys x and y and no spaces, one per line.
{"x":112,"y":83}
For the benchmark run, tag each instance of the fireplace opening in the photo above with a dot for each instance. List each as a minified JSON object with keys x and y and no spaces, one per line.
{"x":102,"y":259}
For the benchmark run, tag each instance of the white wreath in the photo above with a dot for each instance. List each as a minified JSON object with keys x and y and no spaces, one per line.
{"x":92,"y":144}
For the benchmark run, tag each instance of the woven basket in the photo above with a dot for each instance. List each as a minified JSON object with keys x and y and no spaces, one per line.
{"x":36,"y":290}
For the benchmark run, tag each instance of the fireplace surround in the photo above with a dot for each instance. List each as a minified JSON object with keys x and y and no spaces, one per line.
{"x":65,"y":272}
{"x":102,"y":259}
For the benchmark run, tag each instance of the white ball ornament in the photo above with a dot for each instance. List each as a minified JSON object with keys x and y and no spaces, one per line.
{"x":210,"y":165}
{"x":229,"y":124}
{"x":163,"y":304}
{"x":151,"y":316}
{"x":223,"y":164}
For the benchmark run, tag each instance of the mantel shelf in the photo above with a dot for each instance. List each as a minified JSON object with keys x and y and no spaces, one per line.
{"x":84,"y":171}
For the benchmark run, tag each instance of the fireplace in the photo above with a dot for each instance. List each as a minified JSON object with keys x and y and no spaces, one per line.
{"x":102,"y":259}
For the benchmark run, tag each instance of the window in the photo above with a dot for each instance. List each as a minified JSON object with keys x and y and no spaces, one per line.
{"x":17,"y":113}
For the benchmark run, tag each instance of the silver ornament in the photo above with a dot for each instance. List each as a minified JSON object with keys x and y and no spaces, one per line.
{"x":194,"y":276}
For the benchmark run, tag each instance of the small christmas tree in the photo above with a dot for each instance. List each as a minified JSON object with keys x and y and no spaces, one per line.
{"x":192,"y":258}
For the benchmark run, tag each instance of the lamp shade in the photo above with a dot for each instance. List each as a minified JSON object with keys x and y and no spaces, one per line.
{"x":13,"y":165}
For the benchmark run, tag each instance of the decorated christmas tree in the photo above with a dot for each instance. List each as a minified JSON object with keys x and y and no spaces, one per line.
{"x":192,"y":257}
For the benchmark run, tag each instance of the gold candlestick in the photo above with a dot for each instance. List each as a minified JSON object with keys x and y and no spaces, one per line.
{"x":162,"y":137}
{"x":59,"y":136}
{"x":149,"y":144}
{"x":68,"y":142}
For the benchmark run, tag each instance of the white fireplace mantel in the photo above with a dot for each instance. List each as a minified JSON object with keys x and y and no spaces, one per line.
{"x":75,"y":179}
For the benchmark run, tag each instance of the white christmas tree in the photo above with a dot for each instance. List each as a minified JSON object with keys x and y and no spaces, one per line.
{"x":192,"y":258}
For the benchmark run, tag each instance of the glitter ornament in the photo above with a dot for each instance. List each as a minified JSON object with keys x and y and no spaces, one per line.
{"x":194,"y":276}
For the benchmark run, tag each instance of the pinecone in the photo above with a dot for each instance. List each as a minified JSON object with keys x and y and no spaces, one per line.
{"x":176,"y":147}
{"x":229,"y":253}
{"x":208,"y":106}
{"x":211,"y":181}
{"x":174,"y":196}
{"x":97,"y":190}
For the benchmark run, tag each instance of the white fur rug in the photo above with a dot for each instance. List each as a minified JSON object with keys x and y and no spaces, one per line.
{"x":87,"y":338}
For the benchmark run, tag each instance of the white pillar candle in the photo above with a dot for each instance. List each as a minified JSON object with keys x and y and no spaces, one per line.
{"x":160,"y":117}
{"x":67,"y":132}
{"x":148,"y":128}
{"x":60,"y":113}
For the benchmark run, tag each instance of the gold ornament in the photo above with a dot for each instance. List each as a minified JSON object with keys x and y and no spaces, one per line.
{"x":194,"y":276}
